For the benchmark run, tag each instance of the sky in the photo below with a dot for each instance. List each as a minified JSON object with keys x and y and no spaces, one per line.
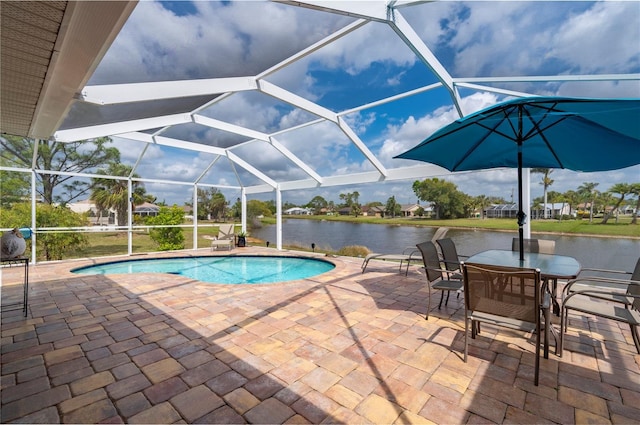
{"x":193,"y":40}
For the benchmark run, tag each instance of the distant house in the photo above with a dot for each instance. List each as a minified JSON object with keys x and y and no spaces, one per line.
{"x":298,"y":211}
{"x":96,"y":217}
{"x":502,"y":211}
{"x":628,"y":209}
{"x":326,"y":211}
{"x":427,"y":211}
{"x":552,"y":210}
{"x":409,"y":210}
{"x":188,"y":211}
{"x":82,"y":206}
{"x":103,"y":218}
{"x":377,"y":211}
{"x":146,"y":209}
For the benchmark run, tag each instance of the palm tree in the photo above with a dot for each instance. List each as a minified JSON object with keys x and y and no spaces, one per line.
{"x":588,"y":190}
{"x":604,"y":201}
{"x":572,"y":198}
{"x":546,"y":182}
{"x":110,"y":193}
{"x":482,"y":201}
{"x":554,"y":198}
{"x":635,"y":190}
{"x":621,"y":189}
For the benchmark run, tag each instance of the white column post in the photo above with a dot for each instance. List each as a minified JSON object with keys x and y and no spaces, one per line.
{"x":130,"y":216}
{"x":526,"y":200}
{"x":33,"y":216}
{"x":278,"y":218}
{"x":243,"y":216}
{"x":195,"y":216}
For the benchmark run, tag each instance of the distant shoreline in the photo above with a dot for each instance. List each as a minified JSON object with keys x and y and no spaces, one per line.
{"x":623,"y":230}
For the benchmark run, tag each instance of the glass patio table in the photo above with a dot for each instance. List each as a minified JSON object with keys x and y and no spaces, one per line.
{"x":551,"y":266}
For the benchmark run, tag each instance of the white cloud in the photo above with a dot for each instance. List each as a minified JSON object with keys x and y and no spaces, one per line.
{"x":221,"y":40}
{"x":603,"y":38}
{"x":356,"y":52}
{"x":400,"y":138}
{"x":544,"y":38}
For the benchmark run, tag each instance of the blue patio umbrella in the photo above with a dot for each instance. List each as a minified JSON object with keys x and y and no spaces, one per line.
{"x":538,"y":132}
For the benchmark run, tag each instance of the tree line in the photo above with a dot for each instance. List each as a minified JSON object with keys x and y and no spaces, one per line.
{"x":448,"y":202}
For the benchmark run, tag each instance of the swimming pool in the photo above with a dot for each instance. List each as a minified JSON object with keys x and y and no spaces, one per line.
{"x":240,"y":269}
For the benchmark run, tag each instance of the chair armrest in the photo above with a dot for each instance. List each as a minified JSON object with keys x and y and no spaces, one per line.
{"x":441,"y":270}
{"x":410,"y":251}
{"x":598,"y":294}
{"x":595,"y":289}
{"x":617,"y":285}
{"x":605,"y":271}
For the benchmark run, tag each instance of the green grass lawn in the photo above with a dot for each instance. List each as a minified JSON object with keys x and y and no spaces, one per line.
{"x":621,"y":228}
{"x":115,"y":243}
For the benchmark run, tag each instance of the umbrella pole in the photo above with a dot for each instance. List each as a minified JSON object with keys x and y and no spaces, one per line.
{"x":522,"y":217}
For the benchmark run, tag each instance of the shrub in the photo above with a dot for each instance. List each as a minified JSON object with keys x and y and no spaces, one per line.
{"x":167,"y":238}
{"x":354,"y":251}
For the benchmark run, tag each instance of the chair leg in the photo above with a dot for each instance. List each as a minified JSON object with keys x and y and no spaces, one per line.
{"x":466,"y":335}
{"x":547,"y":330}
{"x":447,"y":301}
{"x":426,"y":317}
{"x":537,"y":367}
{"x":563,"y":329}
{"x":636,"y":337}
{"x":554,"y":297}
{"x":441,"y":298}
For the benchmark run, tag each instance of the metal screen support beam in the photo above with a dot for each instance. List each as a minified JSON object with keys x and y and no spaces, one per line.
{"x":195,"y":216}
{"x":243,"y":214}
{"x":33,"y":216}
{"x":278,"y":218}
{"x":130,"y":216}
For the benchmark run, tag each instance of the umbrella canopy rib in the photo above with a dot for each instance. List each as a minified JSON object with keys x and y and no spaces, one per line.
{"x":476,"y":145}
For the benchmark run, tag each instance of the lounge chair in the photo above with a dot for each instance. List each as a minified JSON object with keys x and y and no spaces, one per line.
{"x":408,"y":255}
{"x":436,"y":275}
{"x":507,"y":297}
{"x":225,"y":238}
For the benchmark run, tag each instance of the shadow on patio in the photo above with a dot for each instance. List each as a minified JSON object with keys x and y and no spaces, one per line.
{"x":340,"y":348}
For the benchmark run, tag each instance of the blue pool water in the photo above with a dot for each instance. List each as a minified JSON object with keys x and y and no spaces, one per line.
{"x":233,"y":269}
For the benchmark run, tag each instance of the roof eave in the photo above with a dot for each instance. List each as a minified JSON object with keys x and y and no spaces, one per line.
{"x":87,"y":31}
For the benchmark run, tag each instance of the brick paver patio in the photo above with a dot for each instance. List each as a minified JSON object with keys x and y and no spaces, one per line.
{"x":343,"y":347}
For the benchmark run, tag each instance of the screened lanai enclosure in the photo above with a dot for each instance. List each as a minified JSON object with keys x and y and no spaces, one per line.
{"x":288,"y":99}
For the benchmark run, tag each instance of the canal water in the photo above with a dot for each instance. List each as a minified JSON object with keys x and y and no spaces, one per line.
{"x":597,"y":252}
